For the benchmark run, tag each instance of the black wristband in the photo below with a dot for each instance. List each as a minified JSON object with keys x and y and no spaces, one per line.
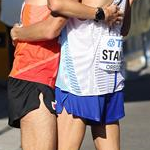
{"x":100,"y":15}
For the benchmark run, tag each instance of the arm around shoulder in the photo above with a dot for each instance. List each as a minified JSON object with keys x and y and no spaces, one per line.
{"x":41,"y":31}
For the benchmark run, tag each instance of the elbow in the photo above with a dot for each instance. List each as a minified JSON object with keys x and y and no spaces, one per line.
{"x":52,"y":34}
{"x":55,"y":6}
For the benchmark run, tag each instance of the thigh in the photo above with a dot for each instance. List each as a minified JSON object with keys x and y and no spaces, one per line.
{"x":38,"y":129}
{"x":106,"y":137}
{"x":71,"y":131}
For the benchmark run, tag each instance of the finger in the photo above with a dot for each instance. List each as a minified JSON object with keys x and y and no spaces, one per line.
{"x":114,"y":22}
{"x":119,"y":19}
{"x":118,"y":8}
{"x":117,"y":22}
{"x":120,"y":13}
{"x":16,"y":25}
{"x":12,"y":35}
{"x":110,"y":24}
{"x":114,"y":9}
{"x":14,"y":43}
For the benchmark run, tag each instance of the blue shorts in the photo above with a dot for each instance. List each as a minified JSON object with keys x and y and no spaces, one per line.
{"x":103,"y":109}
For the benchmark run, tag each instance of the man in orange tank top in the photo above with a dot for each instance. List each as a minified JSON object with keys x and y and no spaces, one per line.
{"x":50,"y":28}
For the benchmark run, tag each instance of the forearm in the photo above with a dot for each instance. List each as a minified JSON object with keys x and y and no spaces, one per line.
{"x":74,"y":9}
{"x":44,"y":30}
{"x":71,"y":8}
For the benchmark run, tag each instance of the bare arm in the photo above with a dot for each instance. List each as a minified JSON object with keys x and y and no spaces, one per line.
{"x":72,"y":8}
{"x":75,"y":9}
{"x":44,"y":30}
{"x":51,"y":27}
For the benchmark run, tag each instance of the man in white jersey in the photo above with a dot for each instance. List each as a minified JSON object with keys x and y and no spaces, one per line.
{"x":90,"y":82}
{"x":78,"y":126}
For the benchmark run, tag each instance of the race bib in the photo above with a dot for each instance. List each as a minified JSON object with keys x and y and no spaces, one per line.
{"x":111,"y":53}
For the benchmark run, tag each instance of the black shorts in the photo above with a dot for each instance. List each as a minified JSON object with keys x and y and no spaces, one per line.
{"x":23,"y":97}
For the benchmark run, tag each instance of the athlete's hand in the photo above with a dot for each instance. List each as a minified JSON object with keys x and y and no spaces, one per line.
{"x":13,"y":33}
{"x":113,"y":15}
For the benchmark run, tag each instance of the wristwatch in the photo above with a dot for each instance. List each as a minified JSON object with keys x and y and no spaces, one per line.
{"x":100,"y":15}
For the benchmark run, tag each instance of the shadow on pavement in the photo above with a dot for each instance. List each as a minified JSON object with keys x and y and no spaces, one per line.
{"x":3,"y":100}
{"x":4,"y":130}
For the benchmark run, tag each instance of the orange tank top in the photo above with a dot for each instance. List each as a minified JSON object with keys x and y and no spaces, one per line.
{"x":36,"y":61}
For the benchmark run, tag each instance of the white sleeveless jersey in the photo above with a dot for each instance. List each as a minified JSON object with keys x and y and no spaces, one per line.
{"x":79,"y":72}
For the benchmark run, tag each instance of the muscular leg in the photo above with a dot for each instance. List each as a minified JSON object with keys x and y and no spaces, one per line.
{"x":70,"y":131}
{"x":106,"y":137}
{"x":38,"y":129}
